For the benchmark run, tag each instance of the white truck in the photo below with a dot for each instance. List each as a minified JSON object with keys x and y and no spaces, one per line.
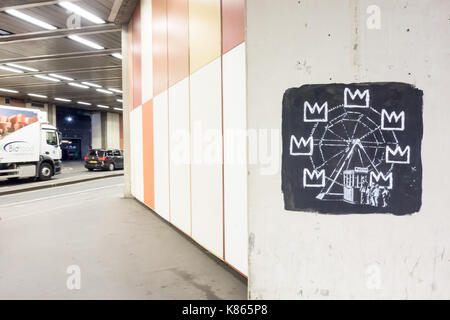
{"x":29,"y":146}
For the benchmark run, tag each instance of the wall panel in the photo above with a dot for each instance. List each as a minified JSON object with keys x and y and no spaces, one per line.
{"x":235,"y":155}
{"x":147,"y":50}
{"x":148,"y":154}
{"x":204,"y":32}
{"x":136,"y":145}
{"x":180,"y":189}
{"x":161,"y":154}
{"x":159,"y":25}
{"x":136,"y":57}
{"x":178,"y":40}
{"x":206,"y":172}
{"x":233,"y":24}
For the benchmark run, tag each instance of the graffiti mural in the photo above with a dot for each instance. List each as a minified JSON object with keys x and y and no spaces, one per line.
{"x":352,"y":148}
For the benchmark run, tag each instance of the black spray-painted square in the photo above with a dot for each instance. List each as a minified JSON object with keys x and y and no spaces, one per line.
{"x":353,"y":148}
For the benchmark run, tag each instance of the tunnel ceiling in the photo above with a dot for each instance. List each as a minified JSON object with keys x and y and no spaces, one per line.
{"x":48,"y":51}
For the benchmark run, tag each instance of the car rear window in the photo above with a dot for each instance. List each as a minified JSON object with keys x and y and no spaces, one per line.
{"x":96,"y":153}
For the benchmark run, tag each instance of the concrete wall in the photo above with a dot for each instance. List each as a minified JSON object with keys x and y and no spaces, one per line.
{"x":187,"y":88}
{"x":300,"y":255}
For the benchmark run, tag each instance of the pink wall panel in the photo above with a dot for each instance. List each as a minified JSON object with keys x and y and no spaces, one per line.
{"x":178,"y":40}
{"x":136,"y":57}
{"x":233,"y":24}
{"x":159,"y":18}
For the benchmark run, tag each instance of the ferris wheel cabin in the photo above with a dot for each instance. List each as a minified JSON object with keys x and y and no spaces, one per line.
{"x":355,"y":181}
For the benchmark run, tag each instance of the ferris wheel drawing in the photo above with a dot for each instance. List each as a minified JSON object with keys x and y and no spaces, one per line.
{"x":352,"y":148}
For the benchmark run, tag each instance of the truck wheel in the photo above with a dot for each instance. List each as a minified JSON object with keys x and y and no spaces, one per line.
{"x":45,"y":172}
{"x":111,"y":167}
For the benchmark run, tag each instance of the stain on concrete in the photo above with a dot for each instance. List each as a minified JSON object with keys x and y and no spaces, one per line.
{"x":206,"y":289}
{"x":251,"y":242}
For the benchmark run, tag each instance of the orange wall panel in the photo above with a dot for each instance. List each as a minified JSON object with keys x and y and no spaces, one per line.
{"x":159,"y":34}
{"x":233,"y":24}
{"x":136,"y":57}
{"x":205,"y":39}
{"x":148,"y":154}
{"x":178,"y":40}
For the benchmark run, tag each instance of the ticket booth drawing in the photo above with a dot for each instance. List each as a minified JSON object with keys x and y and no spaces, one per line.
{"x":355,"y":184}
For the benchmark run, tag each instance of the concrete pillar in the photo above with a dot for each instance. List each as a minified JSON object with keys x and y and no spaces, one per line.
{"x":126,"y":114}
{"x":96,"y":124}
{"x":112,"y":130}
{"x":51,"y":114}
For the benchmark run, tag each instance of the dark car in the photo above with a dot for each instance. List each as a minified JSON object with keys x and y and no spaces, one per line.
{"x":104,"y":159}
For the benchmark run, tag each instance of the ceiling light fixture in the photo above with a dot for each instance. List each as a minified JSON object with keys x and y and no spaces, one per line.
{"x":118,"y":109}
{"x":63,"y":100}
{"x":73,"y":84}
{"x":86,"y":42}
{"x":115,"y":90}
{"x":84,"y":103}
{"x":102,"y":106}
{"x":37,"y":95}
{"x":11,"y":69}
{"x":8,"y":90}
{"x":90,"y":84}
{"x":54,"y":75}
{"x":104,"y":91}
{"x":119,"y":100}
{"x":30,"y":19}
{"x":81,"y":12}
{"x":117,"y":55}
{"x":22,"y":67}
{"x":46,"y":78}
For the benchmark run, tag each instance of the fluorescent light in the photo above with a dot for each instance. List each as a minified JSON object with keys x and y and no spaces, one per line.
{"x":22,"y":67}
{"x":46,"y":78}
{"x":86,"y":42}
{"x":119,"y":100}
{"x":84,"y":103}
{"x":54,"y":75}
{"x":117,"y":55}
{"x":90,"y":84}
{"x":73,"y":84}
{"x":81,"y":12}
{"x":37,"y":95}
{"x":118,"y":109}
{"x":8,"y":90}
{"x":104,"y":91}
{"x":30,"y":19}
{"x":11,"y":69}
{"x":63,"y":100}
{"x":115,"y":90}
{"x":102,"y":106}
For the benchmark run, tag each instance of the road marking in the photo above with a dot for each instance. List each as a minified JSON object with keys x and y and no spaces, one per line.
{"x":59,"y":196}
{"x":10,"y":218}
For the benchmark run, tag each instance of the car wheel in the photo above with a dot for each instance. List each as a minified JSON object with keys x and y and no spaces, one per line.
{"x":111,"y":167}
{"x":90,"y":169}
{"x":45,"y":172}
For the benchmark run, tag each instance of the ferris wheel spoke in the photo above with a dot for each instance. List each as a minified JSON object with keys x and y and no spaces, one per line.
{"x":336,"y":134}
{"x":333,"y":157}
{"x":356,"y":125}
{"x":370,"y":132}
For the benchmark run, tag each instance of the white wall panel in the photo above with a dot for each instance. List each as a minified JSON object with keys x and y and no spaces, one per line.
{"x":235,"y":154}
{"x":146,"y":45}
{"x":180,"y":195}
{"x":206,"y":142}
{"x":161,"y":154}
{"x":112,"y":130}
{"x":136,"y":143}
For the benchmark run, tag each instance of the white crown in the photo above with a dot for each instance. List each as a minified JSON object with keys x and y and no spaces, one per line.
{"x":315,"y":179}
{"x":296,"y":146}
{"x":392,"y":121}
{"x":398,"y":155}
{"x":377,"y":177}
{"x":349,"y":98}
{"x":315,"y":113}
